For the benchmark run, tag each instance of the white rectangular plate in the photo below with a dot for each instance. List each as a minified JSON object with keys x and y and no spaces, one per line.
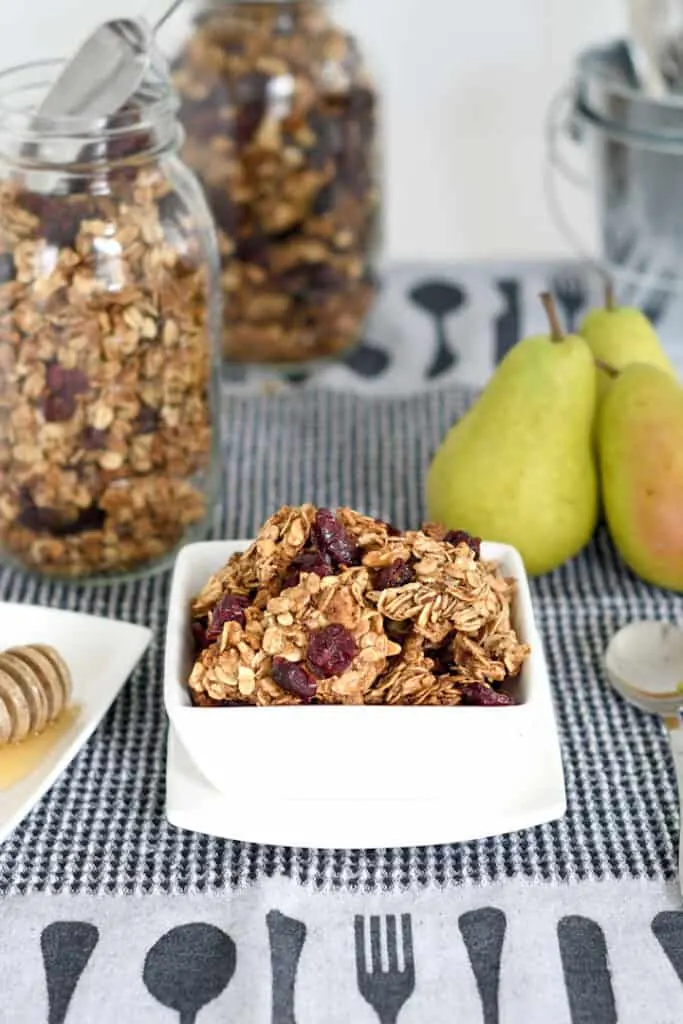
{"x":357,"y":776}
{"x":101,"y":654}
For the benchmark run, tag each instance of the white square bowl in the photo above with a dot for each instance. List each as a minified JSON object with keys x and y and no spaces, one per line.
{"x":361,"y":777}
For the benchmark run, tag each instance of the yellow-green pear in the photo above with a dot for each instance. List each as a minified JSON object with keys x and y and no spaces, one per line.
{"x":619,"y":335}
{"x":640,"y":439}
{"x":519,"y":467}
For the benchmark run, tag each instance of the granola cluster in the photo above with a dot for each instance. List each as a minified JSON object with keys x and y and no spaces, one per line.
{"x":281,"y":122}
{"x":339,"y":608}
{"x":105,"y":418}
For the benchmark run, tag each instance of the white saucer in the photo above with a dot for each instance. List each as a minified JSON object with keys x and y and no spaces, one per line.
{"x":101,"y":654}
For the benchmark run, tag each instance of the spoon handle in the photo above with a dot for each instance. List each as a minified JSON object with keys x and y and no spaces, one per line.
{"x":161,"y":20}
{"x":444,"y":357}
{"x":676,"y":743}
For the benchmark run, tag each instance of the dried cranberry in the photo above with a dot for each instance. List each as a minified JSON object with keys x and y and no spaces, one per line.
{"x":230,"y":608}
{"x":332,"y":540}
{"x":199,"y":635}
{"x":294,"y":678}
{"x":484,"y":696}
{"x":392,"y":531}
{"x":442,"y":656}
{"x":62,"y":387}
{"x":310,"y":283}
{"x":94,"y":440}
{"x":58,"y":408}
{"x":91,"y":518}
{"x":60,"y":220}
{"x":456,"y":537}
{"x":307,"y":561}
{"x":325,"y":200}
{"x":41,"y":519}
{"x":398,"y":574}
{"x":57,"y":523}
{"x":7,"y":268}
{"x":247,"y":120}
{"x":128,"y":145}
{"x":147,"y":420}
{"x":253,"y":249}
{"x":324,"y":278}
{"x":331,"y":650}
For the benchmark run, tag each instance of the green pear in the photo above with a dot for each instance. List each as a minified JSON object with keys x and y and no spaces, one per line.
{"x":519,"y":467}
{"x":640,"y":438}
{"x":619,"y":335}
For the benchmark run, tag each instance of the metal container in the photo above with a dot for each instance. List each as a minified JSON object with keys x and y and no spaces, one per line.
{"x":634,"y":150}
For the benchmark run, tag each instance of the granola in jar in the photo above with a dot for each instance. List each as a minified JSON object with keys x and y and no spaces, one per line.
{"x":338,"y":608}
{"x":108,"y":309}
{"x":281,"y":123}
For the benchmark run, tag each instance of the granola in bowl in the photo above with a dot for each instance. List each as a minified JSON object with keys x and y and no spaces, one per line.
{"x":339,"y":608}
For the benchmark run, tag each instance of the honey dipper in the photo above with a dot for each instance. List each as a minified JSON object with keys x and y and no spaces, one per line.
{"x":35,"y":687}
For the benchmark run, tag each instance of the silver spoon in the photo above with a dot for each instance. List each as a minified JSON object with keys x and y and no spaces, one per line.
{"x":106,"y":70}
{"x":644,"y":18}
{"x":644,"y":663}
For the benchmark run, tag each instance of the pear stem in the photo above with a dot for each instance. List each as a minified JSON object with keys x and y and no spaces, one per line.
{"x":607,"y":368}
{"x":609,"y":296}
{"x":556,"y":332}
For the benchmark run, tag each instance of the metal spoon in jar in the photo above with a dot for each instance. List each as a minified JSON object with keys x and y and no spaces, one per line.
{"x":106,"y":70}
{"x":644,"y":18}
{"x":644,"y":663}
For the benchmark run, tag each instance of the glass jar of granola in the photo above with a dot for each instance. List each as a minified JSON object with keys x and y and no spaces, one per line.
{"x":109,"y":336}
{"x":281,"y":124}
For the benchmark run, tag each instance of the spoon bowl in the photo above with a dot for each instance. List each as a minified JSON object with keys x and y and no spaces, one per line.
{"x":644,"y":663}
{"x":105,"y":72}
{"x":189,"y":967}
{"x":107,"y":69}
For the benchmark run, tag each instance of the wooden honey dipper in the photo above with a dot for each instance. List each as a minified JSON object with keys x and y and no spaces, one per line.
{"x":35,"y":687}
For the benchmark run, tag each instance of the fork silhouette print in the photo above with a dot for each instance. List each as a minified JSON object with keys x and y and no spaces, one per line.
{"x":387,"y":991}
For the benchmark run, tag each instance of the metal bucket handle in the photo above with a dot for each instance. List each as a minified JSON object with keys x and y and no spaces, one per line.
{"x":560,"y":126}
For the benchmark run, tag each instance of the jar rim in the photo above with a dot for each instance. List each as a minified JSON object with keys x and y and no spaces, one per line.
{"x":23,"y":86}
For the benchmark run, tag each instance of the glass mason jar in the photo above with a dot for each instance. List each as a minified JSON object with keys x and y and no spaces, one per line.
{"x":281,"y":128}
{"x":109,"y":336}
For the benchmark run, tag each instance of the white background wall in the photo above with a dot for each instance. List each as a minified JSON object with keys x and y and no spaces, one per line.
{"x":467,"y":85}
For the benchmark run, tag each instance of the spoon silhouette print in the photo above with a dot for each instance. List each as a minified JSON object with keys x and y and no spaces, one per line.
{"x":483,"y":933}
{"x":189,"y":967}
{"x":287,"y":937}
{"x":644,"y":663}
{"x":66,"y":947}
{"x":439,"y":299}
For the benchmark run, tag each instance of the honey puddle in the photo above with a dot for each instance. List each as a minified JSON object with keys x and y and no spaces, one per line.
{"x":18,"y":759}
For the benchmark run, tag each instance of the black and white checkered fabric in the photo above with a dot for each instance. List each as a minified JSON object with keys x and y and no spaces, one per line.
{"x":102,"y":827}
